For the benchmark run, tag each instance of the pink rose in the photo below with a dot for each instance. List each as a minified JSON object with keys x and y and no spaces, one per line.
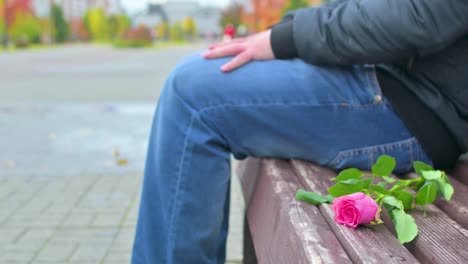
{"x":355,"y":209}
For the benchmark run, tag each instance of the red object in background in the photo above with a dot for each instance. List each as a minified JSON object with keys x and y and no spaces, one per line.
{"x":230,"y":31}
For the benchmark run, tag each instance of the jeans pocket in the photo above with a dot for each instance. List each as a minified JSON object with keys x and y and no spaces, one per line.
{"x":404,"y":151}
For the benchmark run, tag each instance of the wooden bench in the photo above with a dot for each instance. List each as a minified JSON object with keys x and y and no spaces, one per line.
{"x":280,"y":229}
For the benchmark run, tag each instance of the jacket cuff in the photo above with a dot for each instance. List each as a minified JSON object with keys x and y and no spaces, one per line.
{"x":282,"y":41}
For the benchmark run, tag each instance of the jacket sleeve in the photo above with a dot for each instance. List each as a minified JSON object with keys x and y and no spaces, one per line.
{"x":370,"y":31}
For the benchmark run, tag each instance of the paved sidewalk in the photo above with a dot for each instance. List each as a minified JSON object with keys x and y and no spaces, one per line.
{"x":63,"y":198}
{"x":86,"y":219}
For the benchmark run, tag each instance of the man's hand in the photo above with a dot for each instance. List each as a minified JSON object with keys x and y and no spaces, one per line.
{"x":256,"y":47}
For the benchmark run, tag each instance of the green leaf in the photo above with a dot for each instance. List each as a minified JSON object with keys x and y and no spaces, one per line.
{"x":419,"y":167}
{"x":330,"y":198}
{"x":389,"y":179}
{"x":384,"y":166}
{"x":378,"y":188}
{"x":351,"y":181}
{"x":427,"y":194}
{"x":445,"y":188}
{"x":405,"y":226}
{"x":310,"y":197}
{"x":348,"y":174}
{"x":366,"y":183}
{"x":341,"y":189}
{"x":432,"y":175}
{"x":406,"y":198}
{"x":447,"y":192}
{"x":383,"y":184}
{"x":392,"y":202}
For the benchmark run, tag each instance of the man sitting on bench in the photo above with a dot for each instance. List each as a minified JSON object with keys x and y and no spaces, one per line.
{"x":338,"y":85}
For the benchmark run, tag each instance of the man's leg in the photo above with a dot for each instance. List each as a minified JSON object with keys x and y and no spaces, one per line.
{"x":287,"y":109}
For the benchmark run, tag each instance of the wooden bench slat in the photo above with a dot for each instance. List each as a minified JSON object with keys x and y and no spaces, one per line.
{"x":440,"y":239}
{"x":283,"y":229}
{"x":247,"y":172}
{"x":364,"y":245}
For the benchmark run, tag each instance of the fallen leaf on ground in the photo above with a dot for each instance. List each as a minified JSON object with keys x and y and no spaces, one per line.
{"x":122,"y":162}
{"x":9,"y":164}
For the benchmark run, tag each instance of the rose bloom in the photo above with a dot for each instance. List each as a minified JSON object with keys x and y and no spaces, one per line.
{"x":355,"y":209}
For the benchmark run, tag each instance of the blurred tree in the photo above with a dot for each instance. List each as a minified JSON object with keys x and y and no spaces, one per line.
{"x":78,"y":30}
{"x":2,"y":18}
{"x":118,"y":25}
{"x":189,"y":28}
{"x":138,"y":37}
{"x":25,"y":29}
{"x":16,"y":7}
{"x":61,"y":27}
{"x":264,"y":14}
{"x":295,"y":4}
{"x":47,"y":30}
{"x":176,"y":32}
{"x":162,"y":30}
{"x":97,"y":24}
{"x":232,"y":15}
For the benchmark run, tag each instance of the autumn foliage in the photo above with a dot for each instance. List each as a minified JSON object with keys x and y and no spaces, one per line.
{"x":264,"y":13}
{"x":15,"y":8}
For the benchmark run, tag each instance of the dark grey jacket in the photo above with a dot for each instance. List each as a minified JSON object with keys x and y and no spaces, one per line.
{"x":422,"y":43}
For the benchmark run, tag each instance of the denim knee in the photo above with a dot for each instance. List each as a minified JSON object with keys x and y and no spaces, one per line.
{"x":189,"y":82}
{"x":199,"y":83}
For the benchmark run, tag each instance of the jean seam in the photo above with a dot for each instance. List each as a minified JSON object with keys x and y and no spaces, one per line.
{"x":172,"y":234}
{"x":363,"y":150}
{"x":373,"y":80}
{"x":340,"y":105}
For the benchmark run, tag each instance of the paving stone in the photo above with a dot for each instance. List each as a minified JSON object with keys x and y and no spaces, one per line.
{"x":63,"y":205}
{"x":55,"y":253}
{"x":118,"y":256}
{"x":21,"y":220}
{"x":84,"y":236}
{"x":10,"y":207}
{"x":49,"y":220}
{"x":35,"y":237}
{"x":8,"y":236}
{"x":8,"y":257}
{"x":90,"y":252}
{"x":35,"y":206}
{"x":107,"y":220}
{"x":79,"y":220}
{"x":124,"y":240}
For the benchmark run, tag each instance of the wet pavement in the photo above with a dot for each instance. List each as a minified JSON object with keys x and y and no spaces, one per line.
{"x":72,"y":152}
{"x":74,"y":139}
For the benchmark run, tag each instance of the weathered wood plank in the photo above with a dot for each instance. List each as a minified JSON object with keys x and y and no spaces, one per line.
{"x":247,"y":172}
{"x":249,"y":251}
{"x":457,"y":208}
{"x":364,"y":245}
{"x":440,"y":239}
{"x":283,"y":229}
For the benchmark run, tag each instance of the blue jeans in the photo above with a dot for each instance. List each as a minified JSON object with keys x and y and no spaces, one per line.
{"x":333,"y":116}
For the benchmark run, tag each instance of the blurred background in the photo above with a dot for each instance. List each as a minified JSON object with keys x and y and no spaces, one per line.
{"x":79,"y":81}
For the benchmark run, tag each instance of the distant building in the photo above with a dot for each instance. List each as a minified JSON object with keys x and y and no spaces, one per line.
{"x":76,"y":9}
{"x":206,"y":18}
